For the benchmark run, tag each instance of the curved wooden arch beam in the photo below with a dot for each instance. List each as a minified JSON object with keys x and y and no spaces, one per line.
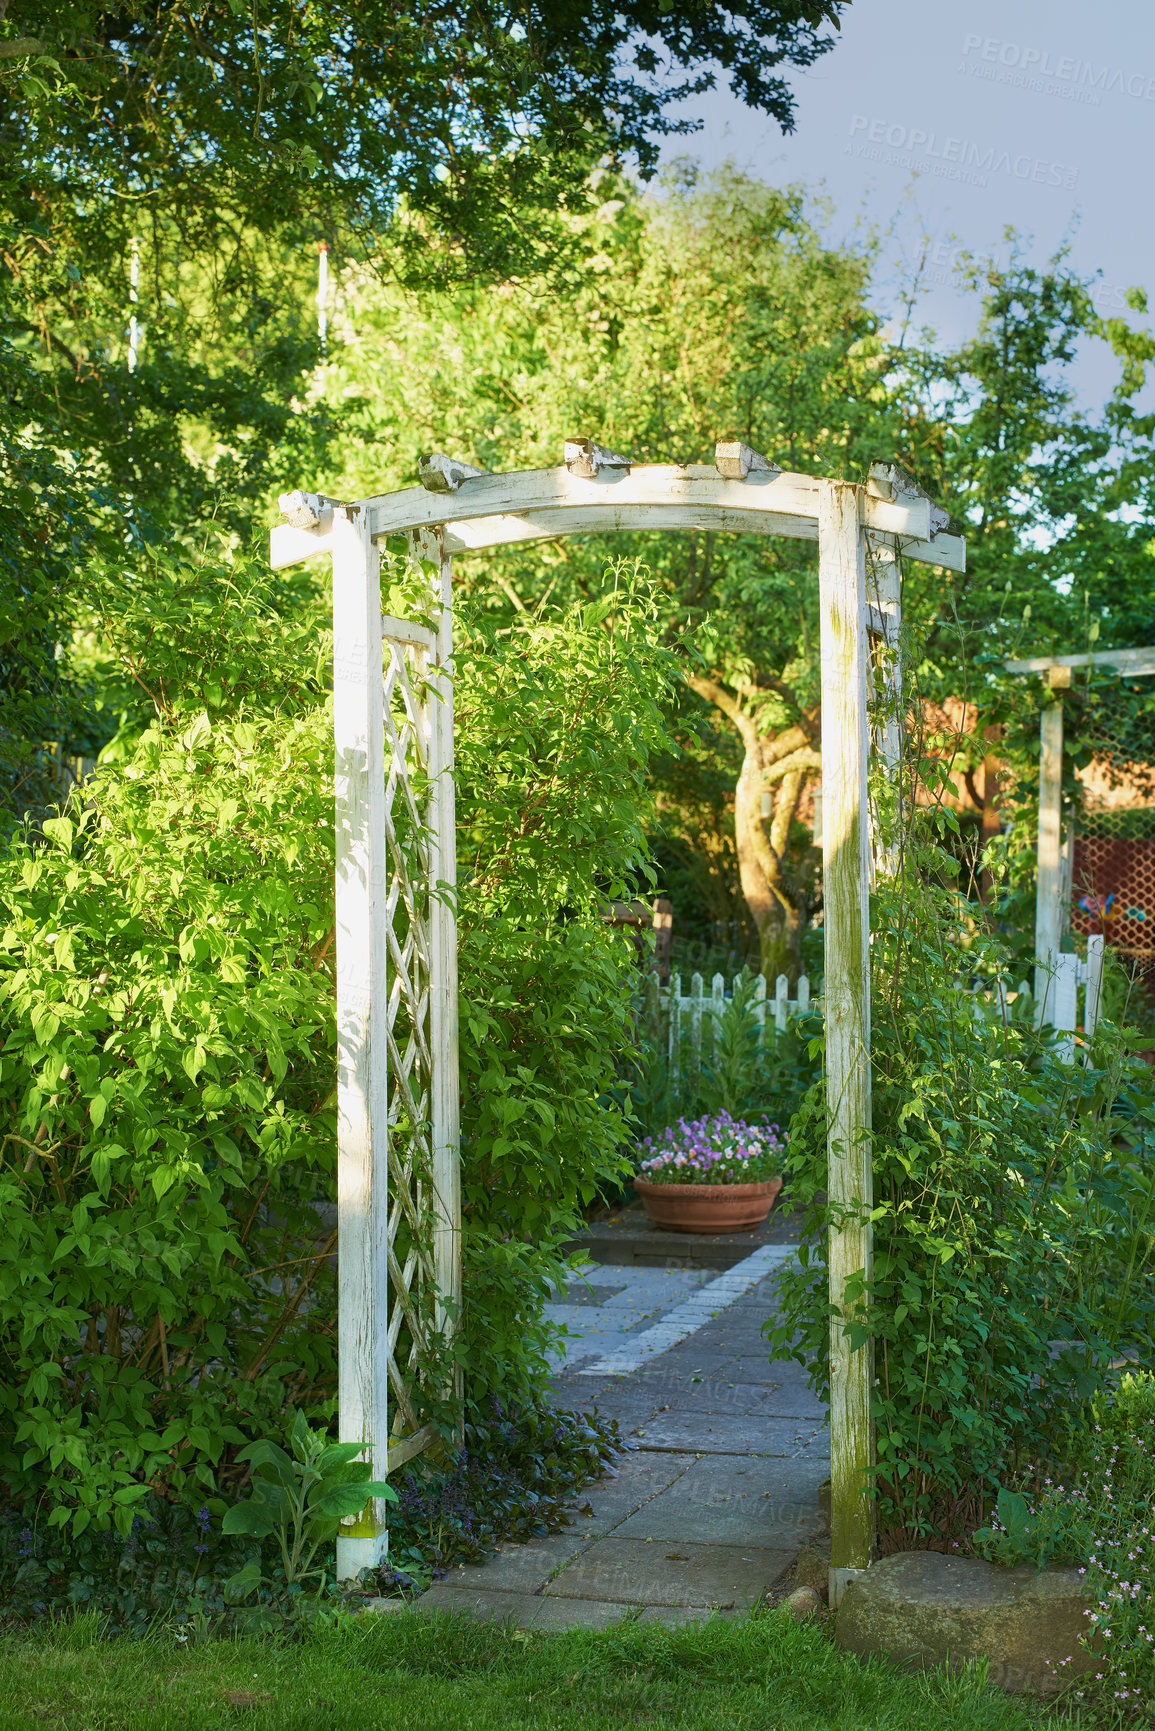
{"x":485,"y":511}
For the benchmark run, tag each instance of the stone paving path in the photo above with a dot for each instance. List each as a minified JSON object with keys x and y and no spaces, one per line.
{"x":709,"y":1509}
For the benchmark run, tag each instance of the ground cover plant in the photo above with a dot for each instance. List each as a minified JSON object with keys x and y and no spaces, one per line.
{"x":516,"y":1476}
{"x":745,"y":1674}
{"x":1099,"y":1516}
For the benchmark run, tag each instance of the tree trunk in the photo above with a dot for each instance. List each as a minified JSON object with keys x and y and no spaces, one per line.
{"x":778,"y":764}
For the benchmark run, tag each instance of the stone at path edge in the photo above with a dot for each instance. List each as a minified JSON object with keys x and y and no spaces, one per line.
{"x":922,"y":1609}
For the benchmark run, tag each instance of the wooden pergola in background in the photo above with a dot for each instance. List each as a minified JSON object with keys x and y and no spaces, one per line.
{"x":1058,"y":975}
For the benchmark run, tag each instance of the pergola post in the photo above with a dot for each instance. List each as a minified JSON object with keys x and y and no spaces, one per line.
{"x":362,"y":1087}
{"x":1048,"y":894}
{"x":846,"y":893}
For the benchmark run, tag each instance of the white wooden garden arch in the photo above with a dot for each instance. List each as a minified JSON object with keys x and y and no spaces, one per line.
{"x":459,"y":509}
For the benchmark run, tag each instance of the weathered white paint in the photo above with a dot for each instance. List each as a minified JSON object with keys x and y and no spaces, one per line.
{"x":948,"y":551}
{"x":411,"y":1446}
{"x":547,"y":525}
{"x":501,"y":510}
{"x":845,"y":677}
{"x":408,"y":631}
{"x":601,"y":518}
{"x":491,"y":510}
{"x":583,"y":457}
{"x":305,"y":510}
{"x":440,"y":474}
{"x":660,"y":484}
{"x":1064,"y":998}
{"x":362,"y":1085}
{"x":1048,"y":892}
{"x":426,"y":547}
{"x":735,"y":460}
{"x":892,"y":481}
{"x":883,"y":626}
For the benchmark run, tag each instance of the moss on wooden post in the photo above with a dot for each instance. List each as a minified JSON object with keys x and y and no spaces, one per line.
{"x":845,"y":860}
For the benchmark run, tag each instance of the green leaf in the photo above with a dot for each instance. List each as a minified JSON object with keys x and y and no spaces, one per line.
{"x":245,"y":1582}
{"x":61,"y":831}
{"x":270,"y":1455}
{"x":338,"y":1454}
{"x":343,"y":1501}
{"x":251,"y":1518}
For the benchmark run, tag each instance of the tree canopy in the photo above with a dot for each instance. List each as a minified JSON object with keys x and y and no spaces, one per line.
{"x":478,"y":119}
{"x":663,"y":348}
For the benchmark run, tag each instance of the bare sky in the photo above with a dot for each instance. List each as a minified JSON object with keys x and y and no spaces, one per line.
{"x":946,"y":123}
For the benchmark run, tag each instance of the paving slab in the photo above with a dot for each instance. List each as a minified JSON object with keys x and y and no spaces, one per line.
{"x":521,"y":1568}
{"x":613,"y":1500}
{"x":689,"y":1360}
{"x":709,"y":1395}
{"x":490,"y":1604}
{"x":728,"y":1434}
{"x":793,"y":1404}
{"x":583,"y":1613}
{"x":756,"y":1367}
{"x":673,"y":1616}
{"x":734,"y":1500}
{"x":626,"y":1237}
{"x":653,"y":1572}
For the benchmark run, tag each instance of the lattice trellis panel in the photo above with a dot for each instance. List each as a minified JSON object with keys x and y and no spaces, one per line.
{"x":410,"y":842}
{"x":1113,"y":875}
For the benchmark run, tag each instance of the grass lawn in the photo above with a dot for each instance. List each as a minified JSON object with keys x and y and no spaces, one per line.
{"x":439,"y":1674}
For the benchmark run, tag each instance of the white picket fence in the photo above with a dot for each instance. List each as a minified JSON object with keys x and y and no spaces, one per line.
{"x":1056,"y":995}
{"x":684,"y":1011}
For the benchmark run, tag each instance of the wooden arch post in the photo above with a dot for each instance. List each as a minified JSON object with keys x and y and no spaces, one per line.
{"x":459,"y":509}
{"x":846,"y":903}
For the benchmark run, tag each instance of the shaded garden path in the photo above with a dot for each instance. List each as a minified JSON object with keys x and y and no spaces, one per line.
{"x":719,"y":1490}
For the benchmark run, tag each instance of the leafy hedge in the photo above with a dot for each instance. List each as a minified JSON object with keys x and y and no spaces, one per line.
{"x":167,"y":1067}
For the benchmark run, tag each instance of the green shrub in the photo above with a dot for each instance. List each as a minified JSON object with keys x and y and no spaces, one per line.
{"x":167,"y":1067}
{"x":1012,"y":1227}
{"x":167,"y":1079}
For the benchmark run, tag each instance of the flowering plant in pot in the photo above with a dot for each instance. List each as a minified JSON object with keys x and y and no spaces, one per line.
{"x":716,"y":1174}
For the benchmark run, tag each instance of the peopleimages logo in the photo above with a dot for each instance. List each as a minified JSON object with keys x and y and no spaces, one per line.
{"x":948,"y":157}
{"x":1054,"y":75}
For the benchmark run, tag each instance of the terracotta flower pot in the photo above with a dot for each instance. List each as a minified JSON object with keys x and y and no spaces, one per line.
{"x":708,"y":1207}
